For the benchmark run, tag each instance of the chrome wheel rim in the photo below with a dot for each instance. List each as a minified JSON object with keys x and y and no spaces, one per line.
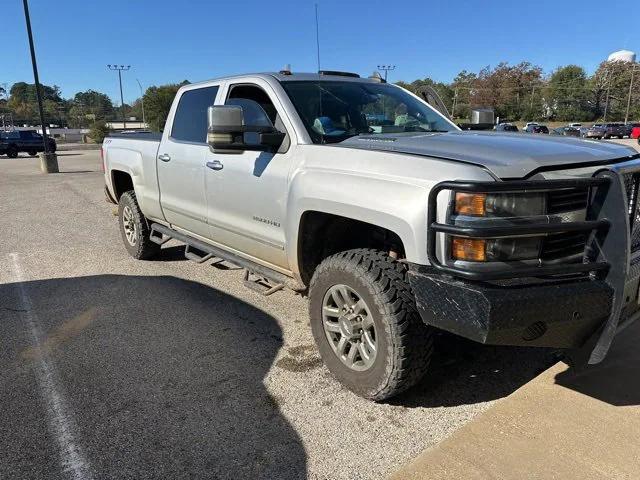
{"x":349,"y":328}
{"x":129,"y":225}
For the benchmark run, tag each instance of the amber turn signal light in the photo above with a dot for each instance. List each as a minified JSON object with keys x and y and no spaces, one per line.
{"x":470,"y":203}
{"x":470,"y":249}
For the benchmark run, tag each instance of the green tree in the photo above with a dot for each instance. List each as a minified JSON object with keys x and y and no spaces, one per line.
{"x":510,"y":91}
{"x":157,"y":102}
{"x":610,"y":89}
{"x":98,"y":131}
{"x":567,"y":94}
{"x":462,"y":88}
{"x":23,"y":102}
{"x":90,"y":106}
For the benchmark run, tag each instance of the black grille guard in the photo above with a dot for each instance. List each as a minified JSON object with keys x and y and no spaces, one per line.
{"x":502,"y":270}
{"x":609,"y":245}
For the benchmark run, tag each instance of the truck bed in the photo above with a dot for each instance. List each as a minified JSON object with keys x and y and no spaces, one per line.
{"x":151,"y":136}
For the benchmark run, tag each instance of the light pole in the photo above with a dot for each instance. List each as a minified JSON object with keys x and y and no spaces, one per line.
{"x":120,"y":68}
{"x":386,"y":69}
{"x":144,"y":121}
{"x":48,"y":160}
{"x":626,"y":116}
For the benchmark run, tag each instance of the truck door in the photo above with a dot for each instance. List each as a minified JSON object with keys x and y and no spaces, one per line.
{"x":181,"y":162}
{"x":247,"y":190}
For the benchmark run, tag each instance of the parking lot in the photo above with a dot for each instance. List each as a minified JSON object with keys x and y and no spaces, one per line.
{"x":117,"y":368}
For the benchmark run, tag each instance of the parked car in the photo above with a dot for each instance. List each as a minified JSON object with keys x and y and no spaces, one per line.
{"x":614,"y":130}
{"x":575,"y":125}
{"x":597,"y":130}
{"x":537,"y":129}
{"x":506,"y":127}
{"x":28,"y":141}
{"x":528,"y":124}
{"x":566,"y":131}
{"x":635,"y":130}
{"x":392,"y":236}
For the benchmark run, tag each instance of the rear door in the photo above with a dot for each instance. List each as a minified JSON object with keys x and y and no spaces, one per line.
{"x":181,"y":161}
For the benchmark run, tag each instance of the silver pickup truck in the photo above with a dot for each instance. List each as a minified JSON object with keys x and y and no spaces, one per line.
{"x":393,"y":221}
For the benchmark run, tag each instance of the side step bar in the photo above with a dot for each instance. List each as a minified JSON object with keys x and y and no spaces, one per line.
{"x":268,"y":281}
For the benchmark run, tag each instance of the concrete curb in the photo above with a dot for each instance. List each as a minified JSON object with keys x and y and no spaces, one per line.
{"x":564,"y":424}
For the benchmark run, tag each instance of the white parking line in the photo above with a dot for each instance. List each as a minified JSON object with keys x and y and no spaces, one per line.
{"x":60,"y":420}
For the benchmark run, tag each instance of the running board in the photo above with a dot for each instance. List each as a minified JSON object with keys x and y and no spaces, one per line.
{"x":268,"y":281}
{"x":262,"y":285}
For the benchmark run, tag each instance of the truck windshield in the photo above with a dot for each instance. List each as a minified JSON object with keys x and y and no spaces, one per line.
{"x":333,"y":111}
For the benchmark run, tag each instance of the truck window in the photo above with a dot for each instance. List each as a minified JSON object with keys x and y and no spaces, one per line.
{"x":258,"y":95}
{"x":190,"y":120}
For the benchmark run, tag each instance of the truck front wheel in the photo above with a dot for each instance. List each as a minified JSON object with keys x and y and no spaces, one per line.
{"x":366,"y":325}
{"x":135,"y":228}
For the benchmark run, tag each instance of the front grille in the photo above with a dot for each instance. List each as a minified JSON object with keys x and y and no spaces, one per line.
{"x":562,"y":245}
{"x":567,"y":200}
{"x":631,"y":185}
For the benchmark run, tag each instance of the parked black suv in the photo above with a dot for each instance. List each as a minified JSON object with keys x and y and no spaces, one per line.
{"x":28,"y":141}
{"x":615,"y":130}
{"x":537,"y":129}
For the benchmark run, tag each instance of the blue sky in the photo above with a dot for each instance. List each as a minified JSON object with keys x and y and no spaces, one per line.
{"x":168,"y":41}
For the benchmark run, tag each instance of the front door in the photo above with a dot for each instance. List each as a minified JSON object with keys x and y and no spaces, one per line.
{"x":247,"y":191}
{"x":181,"y":162}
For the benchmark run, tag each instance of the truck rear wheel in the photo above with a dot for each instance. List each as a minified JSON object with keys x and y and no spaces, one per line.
{"x":135,"y":228}
{"x":12,"y":152}
{"x":366,"y":325}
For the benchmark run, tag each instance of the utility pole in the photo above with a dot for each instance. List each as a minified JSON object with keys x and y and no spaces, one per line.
{"x":48,"y":160}
{"x":453,"y":108}
{"x":120,"y":68}
{"x":144,"y":121}
{"x":606,"y":103}
{"x":386,"y":69}
{"x":626,"y":116}
{"x":533,"y":90}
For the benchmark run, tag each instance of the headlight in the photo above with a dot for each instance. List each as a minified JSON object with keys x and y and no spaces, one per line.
{"x":500,"y":204}
{"x":495,"y":250}
{"x":497,"y":205}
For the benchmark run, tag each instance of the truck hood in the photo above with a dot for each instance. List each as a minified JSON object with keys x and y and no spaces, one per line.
{"x":506,"y":155}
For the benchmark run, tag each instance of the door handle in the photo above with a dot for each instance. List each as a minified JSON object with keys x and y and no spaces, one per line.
{"x":215,"y":165}
{"x":164,"y":157}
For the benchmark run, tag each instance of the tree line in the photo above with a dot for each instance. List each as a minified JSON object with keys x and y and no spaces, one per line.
{"x":85,"y":109}
{"x":515,"y":92}
{"x":523,"y":92}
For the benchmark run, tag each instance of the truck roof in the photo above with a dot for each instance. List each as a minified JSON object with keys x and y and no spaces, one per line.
{"x":292,"y":77}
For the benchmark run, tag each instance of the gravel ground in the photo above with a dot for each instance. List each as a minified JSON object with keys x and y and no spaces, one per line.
{"x":117,"y":368}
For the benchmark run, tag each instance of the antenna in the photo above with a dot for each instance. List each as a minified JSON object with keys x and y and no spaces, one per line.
{"x":317,"y":38}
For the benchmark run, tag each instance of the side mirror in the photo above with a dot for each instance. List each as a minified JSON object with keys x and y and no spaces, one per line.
{"x":227,"y":131}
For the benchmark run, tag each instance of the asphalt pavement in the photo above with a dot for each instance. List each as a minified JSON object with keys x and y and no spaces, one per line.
{"x":117,"y":368}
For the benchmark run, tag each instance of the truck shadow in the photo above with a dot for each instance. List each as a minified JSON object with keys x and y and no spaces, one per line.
{"x":615,"y":380}
{"x":164,"y":377}
{"x":463,"y":372}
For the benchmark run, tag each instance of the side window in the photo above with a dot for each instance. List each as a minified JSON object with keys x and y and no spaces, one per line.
{"x":253,"y":113}
{"x":190,"y":120}
{"x":257,"y":95}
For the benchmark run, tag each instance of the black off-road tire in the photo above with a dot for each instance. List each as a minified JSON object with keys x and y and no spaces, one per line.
{"x":12,"y":152}
{"x":404,"y":342}
{"x":32,"y":153}
{"x":143,"y":248}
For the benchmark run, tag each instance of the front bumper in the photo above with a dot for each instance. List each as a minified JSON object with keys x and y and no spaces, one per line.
{"x":552,"y":313}
{"x":562,"y":304}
